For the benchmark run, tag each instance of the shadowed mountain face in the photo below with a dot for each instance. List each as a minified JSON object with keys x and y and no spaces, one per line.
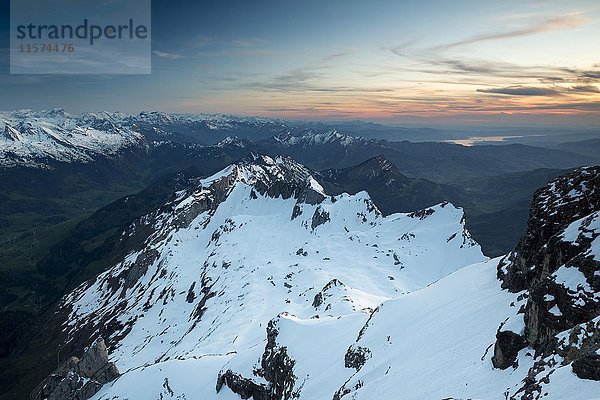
{"x":555,"y":270}
{"x":390,"y":190}
{"x":496,"y":208}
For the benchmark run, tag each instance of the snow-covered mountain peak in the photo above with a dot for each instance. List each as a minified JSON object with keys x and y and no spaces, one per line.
{"x":36,"y":139}
{"x":274,"y":177}
{"x":312,"y":137}
{"x":153,"y":117}
{"x":234,"y":141}
{"x":11,"y":134}
{"x":247,"y":258}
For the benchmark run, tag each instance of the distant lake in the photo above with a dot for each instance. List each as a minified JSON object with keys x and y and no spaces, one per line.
{"x":473,"y":140}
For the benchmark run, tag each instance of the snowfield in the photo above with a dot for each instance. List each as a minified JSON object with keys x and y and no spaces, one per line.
{"x":363,"y":306}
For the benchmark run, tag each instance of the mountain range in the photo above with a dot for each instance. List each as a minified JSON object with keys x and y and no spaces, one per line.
{"x":266,"y":250}
{"x":256,"y":282}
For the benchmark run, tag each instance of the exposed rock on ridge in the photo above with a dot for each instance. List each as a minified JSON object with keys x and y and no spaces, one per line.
{"x":79,"y":379}
{"x":556,"y":268}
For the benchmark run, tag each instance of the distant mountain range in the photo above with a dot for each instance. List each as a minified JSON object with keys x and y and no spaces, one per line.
{"x":38,"y":139}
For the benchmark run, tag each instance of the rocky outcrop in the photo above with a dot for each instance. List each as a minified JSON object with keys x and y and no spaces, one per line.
{"x":245,"y":388}
{"x":283,"y":177}
{"x":79,"y":379}
{"x":556,"y":266}
{"x":320,"y":217}
{"x":356,"y":357}
{"x":508,"y":344}
{"x":138,"y":269}
{"x":10,"y":133}
{"x":587,"y":366}
{"x":276,"y":367}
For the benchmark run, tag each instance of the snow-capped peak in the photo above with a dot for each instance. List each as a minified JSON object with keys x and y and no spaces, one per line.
{"x":35,"y":138}
{"x":311,"y":138}
{"x":234,"y":141}
{"x":255,"y":249}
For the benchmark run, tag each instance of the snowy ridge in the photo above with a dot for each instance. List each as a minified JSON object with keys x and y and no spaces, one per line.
{"x":255,"y":249}
{"x":33,"y":138}
{"x":315,"y":138}
{"x":38,"y":138}
{"x":233,"y":141}
{"x":212,"y":121}
{"x":255,"y":283}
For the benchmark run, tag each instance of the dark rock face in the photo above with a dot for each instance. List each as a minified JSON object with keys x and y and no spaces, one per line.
{"x":139,"y":268}
{"x":356,"y":357}
{"x":245,"y":388}
{"x":552,"y":210}
{"x":284,"y":177}
{"x":320,"y":217}
{"x":79,"y":379}
{"x":296,"y":212}
{"x":587,"y":366}
{"x":556,"y":266}
{"x":277,"y":368}
{"x":508,"y":344}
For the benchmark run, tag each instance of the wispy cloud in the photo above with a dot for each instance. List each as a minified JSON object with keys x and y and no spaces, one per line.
{"x":562,"y":22}
{"x":523,"y":91}
{"x":586,"y":89}
{"x":246,"y":42}
{"x":312,"y":77}
{"x":427,"y":61}
{"x":335,"y":56}
{"x":171,"y":56}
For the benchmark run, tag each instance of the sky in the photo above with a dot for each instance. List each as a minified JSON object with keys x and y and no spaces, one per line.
{"x":424,"y":62}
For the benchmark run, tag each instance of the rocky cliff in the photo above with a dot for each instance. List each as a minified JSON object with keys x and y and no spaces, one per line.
{"x":555,"y":269}
{"x":79,"y":379}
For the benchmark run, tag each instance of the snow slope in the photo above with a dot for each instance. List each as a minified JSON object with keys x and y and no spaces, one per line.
{"x":256,"y":281}
{"x":438,"y":343}
{"x":255,"y":256}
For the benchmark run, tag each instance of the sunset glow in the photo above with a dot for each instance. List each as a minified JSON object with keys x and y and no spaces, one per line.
{"x":398,"y":62}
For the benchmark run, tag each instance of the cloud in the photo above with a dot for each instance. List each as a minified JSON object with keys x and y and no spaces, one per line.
{"x":568,"y":21}
{"x":399,"y":50}
{"x":334,"y":56}
{"x":432,"y":63}
{"x":171,"y":56}
{"x":306,"y":79}
{"x":580,"y":106}
{"x":246,"y":42}
{"x":586,"y":89}
{"x":594,"y":74}
{"x":522,"y":91}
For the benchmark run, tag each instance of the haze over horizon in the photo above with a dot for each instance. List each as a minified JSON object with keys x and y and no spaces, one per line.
{"x":427,"y":63}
